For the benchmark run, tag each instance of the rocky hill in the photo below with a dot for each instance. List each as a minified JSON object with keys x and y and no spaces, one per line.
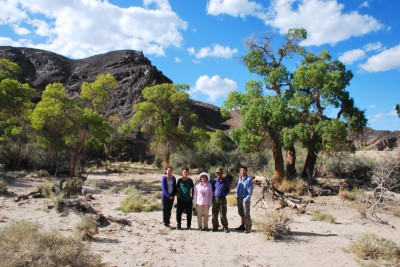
{"x":134,"y":72}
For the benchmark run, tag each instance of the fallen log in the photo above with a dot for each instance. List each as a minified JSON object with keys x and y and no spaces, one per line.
{"x":35,"y":194}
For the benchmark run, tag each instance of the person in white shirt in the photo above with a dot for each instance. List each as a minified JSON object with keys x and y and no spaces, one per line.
{"x":203,"y":200}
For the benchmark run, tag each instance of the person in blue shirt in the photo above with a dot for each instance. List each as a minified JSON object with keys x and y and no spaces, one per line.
{"x":243,"y":194}
{"x":221,"y":189}
{"x":168,"y":192}
{"x":184,"y":189}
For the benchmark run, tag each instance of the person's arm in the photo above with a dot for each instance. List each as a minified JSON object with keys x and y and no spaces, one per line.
{"x":249,"y":188}
{"x":164,"y":186}
{"x":178,"y":190}
{"x":227,"y":186}
{"x":195,"y":195}
{"x":211,"y":195}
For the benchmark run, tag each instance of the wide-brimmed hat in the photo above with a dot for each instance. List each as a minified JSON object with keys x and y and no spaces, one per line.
{"x":219,"y":170}
{"x":204,"y":174}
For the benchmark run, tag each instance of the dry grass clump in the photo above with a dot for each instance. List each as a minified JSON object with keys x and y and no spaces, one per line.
{"x":3,"y":188}
{"x":87,"y":228}
{"x":380,"y":251}
{"x":318,"y":215}
{"x":353,"y":195}
{"x":135,"y":201}
{"x":274,"y":225}
{"x":293,"y":186}
{"x":231,"y":200}
{"x":23,"y":244}
{"x":47,"y":189}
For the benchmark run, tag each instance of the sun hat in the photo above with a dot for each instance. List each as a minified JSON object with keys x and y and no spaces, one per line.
{"x":204,"y":174}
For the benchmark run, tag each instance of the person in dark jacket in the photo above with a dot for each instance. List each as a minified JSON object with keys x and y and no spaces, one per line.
{"x":221,"y":189}
{"x":168,"y":192}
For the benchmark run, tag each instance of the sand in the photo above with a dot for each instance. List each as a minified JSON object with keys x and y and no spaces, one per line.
{"x":146,"y":242}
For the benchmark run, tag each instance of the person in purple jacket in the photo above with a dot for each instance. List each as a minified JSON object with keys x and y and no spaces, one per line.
{"x":168,"y":192}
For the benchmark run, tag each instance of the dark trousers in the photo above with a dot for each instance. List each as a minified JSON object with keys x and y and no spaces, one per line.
{"x":167,"y":208}
{"x":219,"y":207}
{"x":187,"y":206}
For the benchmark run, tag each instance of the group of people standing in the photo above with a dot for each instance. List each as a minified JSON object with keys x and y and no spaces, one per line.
{"x":203,"y":195}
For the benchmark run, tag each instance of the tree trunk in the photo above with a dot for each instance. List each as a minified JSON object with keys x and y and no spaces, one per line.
{"x":167,"y":156}
{"x":290,"y":163}
{"x":278,"y":158}
{"x":308,"y":169}
{"x":77,"y":152}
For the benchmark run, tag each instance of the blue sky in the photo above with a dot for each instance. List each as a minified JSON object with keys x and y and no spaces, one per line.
{"x":201,"y":42}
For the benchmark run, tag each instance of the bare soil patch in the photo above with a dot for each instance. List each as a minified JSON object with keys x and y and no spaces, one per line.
{"x":146,"y":242}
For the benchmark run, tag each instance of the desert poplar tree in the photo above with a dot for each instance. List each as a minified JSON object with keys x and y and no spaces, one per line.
{"x":165,"y":118}
{"x":15,"y":107}
{"x":264,"y":106}
{"x":319,"y":84}
{"x":63,"y":121}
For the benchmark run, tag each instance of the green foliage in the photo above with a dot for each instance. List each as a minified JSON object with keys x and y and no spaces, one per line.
{"x":381,"y":251}
{"x":63,"y":122}
{"x":165,"y":118}
{"x":24,"y":244}
{"x":8,"y":69}
{"x":398,"y":109}
{"x":135,"y":201}
{"x":317,"y":215}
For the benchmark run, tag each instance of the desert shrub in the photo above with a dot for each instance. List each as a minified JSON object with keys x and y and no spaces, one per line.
{"x":135,"y":201}
{"x":87,"y":228}
{"x":231,"y":200}
{"x":47,"y":189}
{"x":317,"y":215}
{"x":380,"y":251}
{"x":113,"y":190}
{"x":351,"y":167}
{"x":394,"y":207}
{"x":274,"y":225}
{"x":100,"y":184}
{"x":3,"y":187}
{"x":352,"y":195}
{"x":297,"y":186}
{"x":24,"y":244}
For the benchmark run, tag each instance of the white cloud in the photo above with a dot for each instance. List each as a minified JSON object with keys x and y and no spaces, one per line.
{"x":373,"y":46}
{"x":236,"y":8}
{"x":20,"y":30}
{"x":9,"y":42}
{"x":365,"y":4}
{"x":324,"y":20}
{"x":177,"y":60}
{"x":83,"y":28}
{"x":214,"y":87}
{"x":386,"y":60}
{"x":351,"y":56}
{"x":371,"y":106}
{"x":216,"y":50}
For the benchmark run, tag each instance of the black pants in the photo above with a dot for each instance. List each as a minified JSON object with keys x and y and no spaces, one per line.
{"x":167,"y":208}
{"x":184,"y":205}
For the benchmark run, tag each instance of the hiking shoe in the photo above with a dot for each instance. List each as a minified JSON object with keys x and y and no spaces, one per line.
{"x":226,"y":230}
{"x":189,"y":228}
{"x":246,"y":231}
{"x":206,"y":229}
{"x":240,"y":228}
{"x":178,"y":228}
{"x":200,"y":229}
{"x":214,"y":230}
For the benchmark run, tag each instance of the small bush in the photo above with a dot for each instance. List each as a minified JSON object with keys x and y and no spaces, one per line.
{"x":113,"y":190}
{"x":47,"y":189}
{"x":353,"y":195}
{"x":136,"y":202}
{"x":3,"y":188}
{"x":297,"y":186}
{"x":231,"y":200}
{"x":317,"y":215}
{"x":381,"y":251}
{"x":87,"y":228}
{"x":23,"y":244}
{"x":274,"y":225}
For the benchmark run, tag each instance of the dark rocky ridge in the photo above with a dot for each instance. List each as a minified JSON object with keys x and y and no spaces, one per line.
{"x":135,"y":72}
